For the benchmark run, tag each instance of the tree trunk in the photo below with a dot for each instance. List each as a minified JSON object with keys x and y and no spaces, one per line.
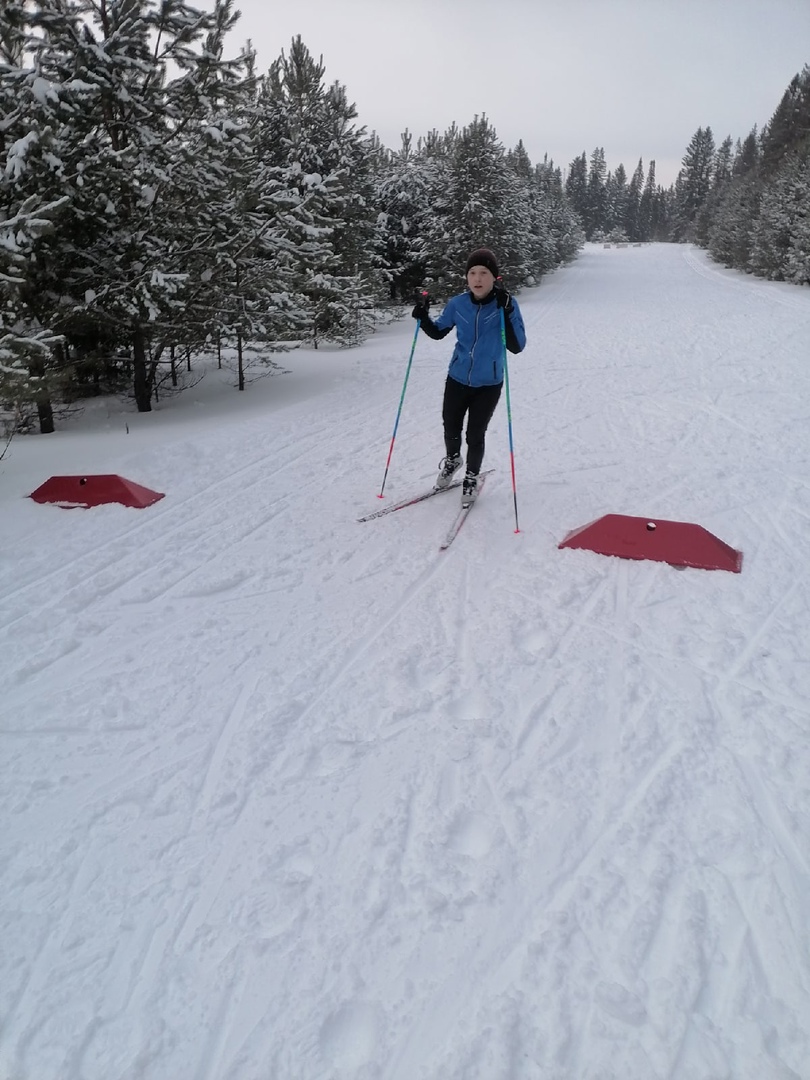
{"x":43,"y":400}
{"x":45,"y":413}
{"x":141,"y":383}
{"x":240,"y":302}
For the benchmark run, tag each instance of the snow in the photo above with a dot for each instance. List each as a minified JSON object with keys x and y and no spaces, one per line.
{"x":289,"y":796}
{"x":18,"y":153}
{"x":44,"y":90}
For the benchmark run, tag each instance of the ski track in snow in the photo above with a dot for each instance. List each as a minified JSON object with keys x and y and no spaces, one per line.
{"x":290,"y":796}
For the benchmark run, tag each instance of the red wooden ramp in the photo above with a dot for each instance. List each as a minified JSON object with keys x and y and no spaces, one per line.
{"x":87,"y":491}
{"x":678,"y":543}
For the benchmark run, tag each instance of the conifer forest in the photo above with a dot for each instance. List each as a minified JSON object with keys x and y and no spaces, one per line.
{"x":161,"y":198}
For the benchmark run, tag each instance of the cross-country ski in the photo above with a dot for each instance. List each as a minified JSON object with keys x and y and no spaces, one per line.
{"x":460,"y":518}
{"x":413,"y":500}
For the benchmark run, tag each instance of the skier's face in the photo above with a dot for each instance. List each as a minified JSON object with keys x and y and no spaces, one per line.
{"x":480,"y":281}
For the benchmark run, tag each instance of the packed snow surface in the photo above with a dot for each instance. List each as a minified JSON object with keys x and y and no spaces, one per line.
{"x":289,"y":797}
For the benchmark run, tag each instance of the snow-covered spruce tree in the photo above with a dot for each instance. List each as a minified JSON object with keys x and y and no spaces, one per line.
{"x":694,"y":183}
{"x":632,"y":219}
{"x":32,"y":359}
{"x":576,"y":188}
{"x":435,"y":152}
{"x":746,"y":155}
{"x":757,"y":210}
{"x":784,"y":152}
{"x":531,"y":219}
{"x":122,"y":90}
{"x":789,"y":127}
{"x":292,"y":135}
{"x":779,"y":243}
{"x":721,"y":177}
{"x":402,"y":200}
{"x":560,"y":222}
{"x":310,"y":137}
{"x":246,"y":292}
{"x":481,"y":204}
{"x":722,"y":171}
{"x":797,"y":263}
{"x":730,"y":235}
{"x":664,"y":212}
{"x":616,"y":204}
{"x":647,"y":207}
{"x":522,"y":260}
{"x":27,"y":375}
{"x":596,"y":195}
{"x":355,"y":157}
{"x":730,"y":230}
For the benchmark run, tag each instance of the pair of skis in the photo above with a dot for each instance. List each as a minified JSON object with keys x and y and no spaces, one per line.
{"x":460,"y":518}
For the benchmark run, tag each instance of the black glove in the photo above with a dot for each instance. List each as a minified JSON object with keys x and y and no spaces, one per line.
{"x":422,"y":307}
{"x":502,"y":297}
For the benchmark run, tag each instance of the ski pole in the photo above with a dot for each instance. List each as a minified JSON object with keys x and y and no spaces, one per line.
{"x":509,"y":416}
{"x":401,"y":400}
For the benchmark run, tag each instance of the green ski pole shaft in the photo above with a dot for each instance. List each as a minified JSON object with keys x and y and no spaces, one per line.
{"x":509,"y":417}
{"x":399,"y":410}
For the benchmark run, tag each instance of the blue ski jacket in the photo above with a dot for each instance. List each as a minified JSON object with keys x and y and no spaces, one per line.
{"x":478,"y":356}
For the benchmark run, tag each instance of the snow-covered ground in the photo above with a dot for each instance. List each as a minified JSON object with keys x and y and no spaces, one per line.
{"x":289,"y":797}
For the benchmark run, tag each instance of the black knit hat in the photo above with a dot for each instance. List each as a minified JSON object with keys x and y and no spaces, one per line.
{"x":483,"y":257}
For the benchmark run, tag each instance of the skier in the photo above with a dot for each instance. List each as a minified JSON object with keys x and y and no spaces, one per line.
{"x":475,"y":376}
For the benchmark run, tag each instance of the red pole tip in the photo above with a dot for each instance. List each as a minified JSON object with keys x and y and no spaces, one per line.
{"x":381,"y":496}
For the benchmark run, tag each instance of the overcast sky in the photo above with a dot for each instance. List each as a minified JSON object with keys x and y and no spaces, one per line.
{"x":637,"y":77}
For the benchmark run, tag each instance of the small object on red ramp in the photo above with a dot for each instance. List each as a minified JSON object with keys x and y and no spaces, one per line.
{"x":678,"y":543}
{"x":87,"y":491}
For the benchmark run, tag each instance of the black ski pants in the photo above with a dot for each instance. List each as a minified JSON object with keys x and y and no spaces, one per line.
{"x":477,"y":403}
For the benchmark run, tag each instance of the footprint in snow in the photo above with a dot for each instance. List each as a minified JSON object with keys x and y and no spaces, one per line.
{"x":620,"y":1003}
{"x":349,"y":1035}
{"x":472,"y":835}
{"x":473,"y":706}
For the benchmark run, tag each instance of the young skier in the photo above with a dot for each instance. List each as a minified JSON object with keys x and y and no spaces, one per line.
{"x":475,"y":375}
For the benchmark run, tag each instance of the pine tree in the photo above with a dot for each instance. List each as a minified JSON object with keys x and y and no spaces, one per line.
{"x":576,"y":187}
{"x":632,"y":224}
{"x":477,"y":206}
{"x":354,"y":157}
{"x":121,"y":97}
{"x":293,"y":109}
{"x":326,"y":166}
{"x":721,"y":177}
{"x":797,"y":262}
{"x":532,"y":225}
{"x":647,"y":209}
{"x":789,"y":127}
{"x":778,"y":242}
{"x":747,"y":155}
{"x":617,"y":193}
{"x":246,"y":291}
{"x":562,"y":226}
{"x":694,"y":182}
{"x":402,"y":197}
{"x":730,"y":234}
{"x":31,"y":202}
{"x":596,"y":196}
{"x":722,"y":171}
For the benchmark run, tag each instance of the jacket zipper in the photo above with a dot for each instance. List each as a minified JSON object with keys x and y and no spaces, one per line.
{"x":475,"y":342}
